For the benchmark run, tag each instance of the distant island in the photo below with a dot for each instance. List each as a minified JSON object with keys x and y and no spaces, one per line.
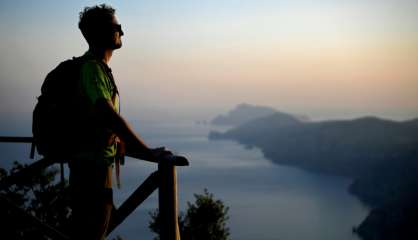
{"x":380,"y":155}
{"x":245,"y":112}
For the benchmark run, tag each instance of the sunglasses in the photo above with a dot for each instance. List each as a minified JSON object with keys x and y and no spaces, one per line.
{"x":117,"y":28}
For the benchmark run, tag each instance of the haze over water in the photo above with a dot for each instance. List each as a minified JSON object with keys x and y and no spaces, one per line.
{"x":326,"y":59}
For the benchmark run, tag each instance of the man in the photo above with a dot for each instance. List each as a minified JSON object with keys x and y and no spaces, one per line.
{"x":104,"y":129}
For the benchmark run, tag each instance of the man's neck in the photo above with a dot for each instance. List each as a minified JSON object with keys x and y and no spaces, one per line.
{"x":102,"y":54}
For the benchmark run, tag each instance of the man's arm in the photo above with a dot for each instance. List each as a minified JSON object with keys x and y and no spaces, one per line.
{"x":134,"y":145}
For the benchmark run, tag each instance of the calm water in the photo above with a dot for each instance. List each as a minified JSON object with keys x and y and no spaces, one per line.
{"x":267,"y":201}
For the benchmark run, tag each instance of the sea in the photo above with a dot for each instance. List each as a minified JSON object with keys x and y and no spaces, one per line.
{"x":266,"y":201}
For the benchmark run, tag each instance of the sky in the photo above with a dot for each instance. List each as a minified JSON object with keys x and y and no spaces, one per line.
{"x":324,"y":59}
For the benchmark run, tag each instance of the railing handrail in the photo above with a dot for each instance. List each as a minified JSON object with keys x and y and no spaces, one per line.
{"x":175,"y":160}
{"x":16,"y":139}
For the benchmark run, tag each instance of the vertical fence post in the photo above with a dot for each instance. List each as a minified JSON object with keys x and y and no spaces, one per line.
{"x":167,"y":201}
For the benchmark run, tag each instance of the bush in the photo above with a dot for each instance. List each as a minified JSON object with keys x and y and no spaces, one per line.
{"x":205,"y":219}
{"x":38,"y":195}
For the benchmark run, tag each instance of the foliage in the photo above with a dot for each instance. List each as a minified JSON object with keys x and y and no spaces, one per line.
{"x":38,"y":195}
{"x":205,"y":219}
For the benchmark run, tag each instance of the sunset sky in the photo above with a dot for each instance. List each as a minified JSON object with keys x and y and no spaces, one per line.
{"x":326,"y":59}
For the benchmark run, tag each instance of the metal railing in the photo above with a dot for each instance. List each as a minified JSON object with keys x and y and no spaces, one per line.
{"x":165,"y":179}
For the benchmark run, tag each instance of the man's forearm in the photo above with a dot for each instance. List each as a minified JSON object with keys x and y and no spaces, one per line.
{"x":134,"y":145}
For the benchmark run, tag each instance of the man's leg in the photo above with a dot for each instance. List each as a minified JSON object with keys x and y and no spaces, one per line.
{"x":92,"y":202}
{"x":91,"y":215}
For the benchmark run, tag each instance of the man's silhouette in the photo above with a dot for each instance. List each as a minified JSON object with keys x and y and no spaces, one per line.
{"x":107,"y":131}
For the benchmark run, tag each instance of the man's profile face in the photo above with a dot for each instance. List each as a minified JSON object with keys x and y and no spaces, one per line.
{"x":113,"y":34}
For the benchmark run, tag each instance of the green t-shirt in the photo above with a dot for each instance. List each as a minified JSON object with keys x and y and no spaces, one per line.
{"x":95,"y":83}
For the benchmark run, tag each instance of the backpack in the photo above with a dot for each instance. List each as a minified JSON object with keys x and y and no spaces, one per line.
{"x":55,"y":123}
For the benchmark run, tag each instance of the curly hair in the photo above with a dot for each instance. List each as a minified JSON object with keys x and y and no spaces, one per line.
{"x":92,"y":20}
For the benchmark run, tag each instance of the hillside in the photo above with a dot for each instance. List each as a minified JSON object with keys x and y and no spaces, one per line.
{"x":244,"y":112}
{"x":380,"y":155}
{"x":344,"y":147}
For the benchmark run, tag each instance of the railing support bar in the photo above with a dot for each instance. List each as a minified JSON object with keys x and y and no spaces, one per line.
{"x":136,"y":198}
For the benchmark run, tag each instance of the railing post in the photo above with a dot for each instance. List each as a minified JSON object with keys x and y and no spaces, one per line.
{"x":167,"y":201}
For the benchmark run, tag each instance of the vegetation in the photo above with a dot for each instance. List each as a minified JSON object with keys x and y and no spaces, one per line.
{"x":38,"y":195}
{"x":205,"y":219}
{"x":44,"y":197}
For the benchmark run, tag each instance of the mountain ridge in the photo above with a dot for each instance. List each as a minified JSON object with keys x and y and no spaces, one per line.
{"x":245,"y":112}
{"x":379,"y":154}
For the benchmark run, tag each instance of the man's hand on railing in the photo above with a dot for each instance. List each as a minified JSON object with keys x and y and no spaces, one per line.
{"x":166,"y":156}
{"x":160,"y":153}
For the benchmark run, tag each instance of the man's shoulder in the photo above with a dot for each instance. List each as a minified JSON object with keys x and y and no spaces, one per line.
{"x":92,"y":66}
{"x":89,"y":61}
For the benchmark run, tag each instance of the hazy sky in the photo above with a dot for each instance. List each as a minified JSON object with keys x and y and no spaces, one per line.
{"x":322,"y":58}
